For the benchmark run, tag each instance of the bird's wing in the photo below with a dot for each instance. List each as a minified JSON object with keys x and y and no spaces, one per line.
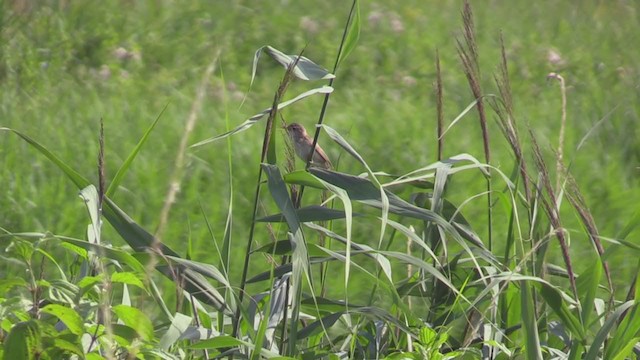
{"x":324,"y":156}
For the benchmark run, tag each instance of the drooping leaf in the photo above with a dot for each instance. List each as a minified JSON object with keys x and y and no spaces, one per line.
{"x":136,"y":319}
{"x":259,"y":116}
{"x":125,"y":277}
{"x":300,"y":256}
{"x":68,"y":316}
{"x":554,"y":300}
{"x":24,"y":341}
{"x":305,"y":69}
{"x":309,"y":213}
{"x":177,"y":328}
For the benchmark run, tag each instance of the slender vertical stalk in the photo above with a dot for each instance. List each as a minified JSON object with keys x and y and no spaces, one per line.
{"x":439,"y":106}
{"x":288,"y":75}
{"x":469,"y":56}
{"x":563,"y":122}
{"x":549,"y":204}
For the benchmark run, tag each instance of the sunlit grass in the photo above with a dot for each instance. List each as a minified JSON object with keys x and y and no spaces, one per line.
{"x":65,"y":68}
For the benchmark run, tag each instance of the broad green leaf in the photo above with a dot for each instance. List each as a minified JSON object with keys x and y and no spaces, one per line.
{"x":90,"y":196}
{"x":362,"y":190}
{"x":141,"y":240}
{"x":320,"y":325}
{"x":124,"y":277}
{"x":202,"y":268}
{"x":302,"y":177}
{"x":554,"y":300}
{"x":309,"y":213}
{"x":384,"y":200}
{"x":223,"y":341}
{"x":9,"y":283}
{"x":107,"y":252}
{"x":24,"y":341}
{"x":305,"y":69}
{"x":353,"y":32}
{"x":300,"y":256}
{"x":136,"y":319}
{"x":62,"y":347}
{"x":68,"y":316}
{"x":125,"y":335}
{"x":280,"y":247}
{"x":178,"y":326}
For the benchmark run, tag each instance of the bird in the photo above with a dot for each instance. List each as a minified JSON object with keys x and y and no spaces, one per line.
{"x":302,"y":144}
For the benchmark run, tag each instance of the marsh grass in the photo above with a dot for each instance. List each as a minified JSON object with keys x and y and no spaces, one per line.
{"x":434,"y":286}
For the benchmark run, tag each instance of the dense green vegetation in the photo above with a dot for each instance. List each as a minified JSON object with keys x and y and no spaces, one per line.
{"x":65,"y":66}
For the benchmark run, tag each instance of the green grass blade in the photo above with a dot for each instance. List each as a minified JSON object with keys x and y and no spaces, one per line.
{"x":299,"y":258}
{"x":529,"y":323}
{"x":309,"y":213}
{"x":629,"y":327}
{"x":606,"y":328}
{"x":73,"y":175}
{"x":117,"y":179}
{"x":353,"y":33}
{"x":553,"y":299}
{"x":587,"y":285}
{"x":335,"y":136}
{"x":626,"y":350}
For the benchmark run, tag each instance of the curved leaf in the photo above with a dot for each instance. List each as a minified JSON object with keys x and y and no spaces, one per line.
{"x":68,"y":316}
{"x":305,"y":69}
{"x":257,"y":117}
{"x":309,"y":213}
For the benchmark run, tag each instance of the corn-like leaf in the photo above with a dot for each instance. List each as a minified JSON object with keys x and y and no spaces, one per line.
{"x":335,"y":136}
{"x":138,"y":238}
{"x":136,"y":319}
{"x":305,"y":69}
{"x":300,"y":256}
{"x":353,"y":32}
{"x":309,"y":213}
{"x":177,"y":328}
{"x":554,"y":300}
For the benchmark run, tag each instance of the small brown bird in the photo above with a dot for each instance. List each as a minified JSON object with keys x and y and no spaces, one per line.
{"x":302,"y":144}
